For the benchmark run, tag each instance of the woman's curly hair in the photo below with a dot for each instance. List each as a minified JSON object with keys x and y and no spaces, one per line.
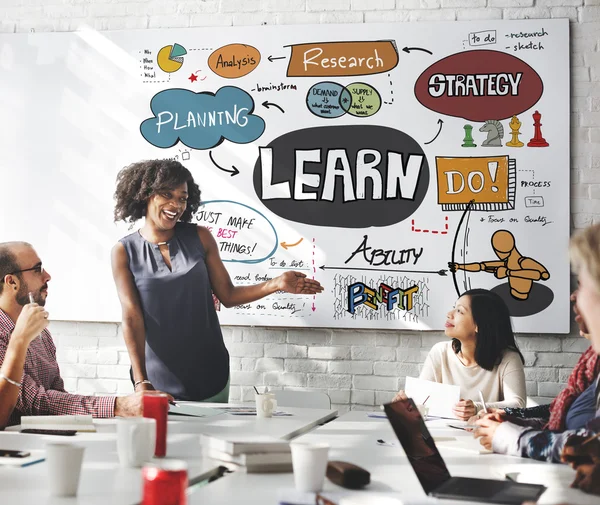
{"x":139,"y":181}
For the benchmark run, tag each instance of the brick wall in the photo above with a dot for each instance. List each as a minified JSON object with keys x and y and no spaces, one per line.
{"x":358,"y":369}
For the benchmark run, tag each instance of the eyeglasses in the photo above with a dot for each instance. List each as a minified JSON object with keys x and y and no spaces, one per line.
{"x":38,"y":269}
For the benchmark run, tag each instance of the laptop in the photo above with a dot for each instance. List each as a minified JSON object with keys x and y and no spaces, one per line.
{"x":432,"y":472}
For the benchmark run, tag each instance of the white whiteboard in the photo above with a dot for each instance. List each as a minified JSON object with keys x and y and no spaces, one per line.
{"x":347,"y":143}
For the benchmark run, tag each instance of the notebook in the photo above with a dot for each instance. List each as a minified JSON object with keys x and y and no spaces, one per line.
{"x":243,"y":444}
{"x":83,"y":423}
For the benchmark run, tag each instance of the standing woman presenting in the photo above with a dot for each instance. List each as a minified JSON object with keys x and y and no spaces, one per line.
{"x":165,"y":274}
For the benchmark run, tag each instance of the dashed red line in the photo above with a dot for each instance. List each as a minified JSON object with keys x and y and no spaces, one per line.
{"x":435,"y":232}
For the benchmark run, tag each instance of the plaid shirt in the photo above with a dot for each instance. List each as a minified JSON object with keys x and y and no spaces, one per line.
{"x":43,"y":391}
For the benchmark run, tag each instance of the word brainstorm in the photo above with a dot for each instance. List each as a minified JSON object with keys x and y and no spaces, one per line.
{"x":359,"y":293}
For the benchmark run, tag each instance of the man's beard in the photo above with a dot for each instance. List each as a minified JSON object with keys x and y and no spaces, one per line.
{"x":23,"y":296}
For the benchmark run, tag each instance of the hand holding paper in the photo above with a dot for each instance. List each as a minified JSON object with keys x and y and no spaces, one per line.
{"x":442,"y":397}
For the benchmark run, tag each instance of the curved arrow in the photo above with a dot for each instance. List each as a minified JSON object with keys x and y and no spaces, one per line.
{"x":462,"y":218}
{"x":266,"y":104}
{"x":441,"y":272}
{"x":233,"y":172}
{"x":286,"y":245}
{"x":409,"y":49}
{"x":272,"y":58}
{"x":441,"y":123}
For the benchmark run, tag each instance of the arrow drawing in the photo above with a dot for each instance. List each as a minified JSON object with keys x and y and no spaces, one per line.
{"x":266,"y":104}
{"x":272,"y":58}
{"x":233,"y":172}
{"x":441,"y":123}
{"x":409,"y":49}
{"x":285,"y":245}
{"x":436,"y":272}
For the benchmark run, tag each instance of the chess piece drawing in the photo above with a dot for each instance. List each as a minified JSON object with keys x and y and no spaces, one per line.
{"x":515,"y":125}
{"x":538,"y":140}
{"x":520,"y":271}
{"x":495,"y":133}
{"x":468,"y":140}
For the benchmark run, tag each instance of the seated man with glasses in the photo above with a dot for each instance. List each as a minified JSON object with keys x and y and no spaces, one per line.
{"x":30,"y":382}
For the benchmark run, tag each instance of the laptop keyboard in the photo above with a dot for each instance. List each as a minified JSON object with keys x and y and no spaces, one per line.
{"x":473,"y":487}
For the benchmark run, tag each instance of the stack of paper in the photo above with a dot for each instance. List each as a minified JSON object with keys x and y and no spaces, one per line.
{"x":83,"y":423}
{"x":251,"y":453}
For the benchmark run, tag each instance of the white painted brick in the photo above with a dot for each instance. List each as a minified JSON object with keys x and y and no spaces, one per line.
{"x":580,"y":191}
{"x":363,"y":397}
{"x":575,"y":344}
{"x":240,"y":5}
{"x":339,"y":395}
{"x":263,"y":335}
{"x":372,"y":5}
{"x":305,"y":365}
{"x":327,"y":5}
{"x":351,"y":367}
{"x":387,"y":340}
{"x":269,"y":364}
{"x":375,"y":383}
{"x":298,"y":18}
{"x":582,"y":104}
{"x":96,"y":386}
{"x":285,"y":351}
{"x":309,"y":337}
{"x":583,"y":74}
{"x":78,"y":370}
{"x":113,"y":371}
{"x":124,"y":358}
{"x":473,"y":4}
{"x":433,"y":15}
{"x":570,"y":13}
{"x":100,"y":357}
{"x":410,"y":341}
{"x":478,"y":14}
{"x":254,"y":19}
{"x":564,"y":374}
{"x":196,"y":7}
{"x":353,"y":338}
{"x":235,"y":363}
{"x":363,"y":408}
{"x":181,"y":20}
{"x":232,"y":334}
{"x":341,"y":17}
{"x":111,"y":343}
{"x":235,"y":393}
{"x":246,"y":350}
{"x":549,"y":389}
{"x":541,"y":374}
{"x":119,"y":23}
{"x":97,"y":329}
{"x":530,"y":343}
{"x":589,"y":15}
{"x":531,"y":388}
{"x":429,"y":340}
{"x":338,"y":352}
{"x":247,"y":378}
{"x":558,"y":360}
{"x":560,"y":3}
{"x":510,"y":3}
{"x":124,"y":387}
{"x":373,"y":353}
{"x":67,"y":356}
{"x":283,"y":5}
{"x":409,"y":355}
{"x":387,"y":16}
{"x":248,"y":364}
{"x":425,"y":4}
{"x":70,"y":342}
{"x":530,"y":358}
{"x":382,"y":397}
{"x":527,"y":13}
{"x":285,"y":379}
{"x":334,"y":381}
{"x":582,"y":220}
{"x":396,"y":369}
{"x":59,"y":328}
{"x":70,"y":384}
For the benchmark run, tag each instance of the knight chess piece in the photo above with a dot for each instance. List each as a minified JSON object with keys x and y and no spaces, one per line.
{"x":495,"y":133}
{"x":538,"y":140}
{"x":515,"y":125}
{"x":468,"y":140}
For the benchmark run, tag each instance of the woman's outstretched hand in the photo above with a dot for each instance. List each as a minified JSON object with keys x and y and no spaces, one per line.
{"x":297,"y":283}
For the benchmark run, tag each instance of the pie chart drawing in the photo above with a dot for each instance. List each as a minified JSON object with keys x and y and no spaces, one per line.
{"x":170,"y":58}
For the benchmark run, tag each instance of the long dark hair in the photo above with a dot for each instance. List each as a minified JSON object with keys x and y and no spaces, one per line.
{"x":494,"y":330}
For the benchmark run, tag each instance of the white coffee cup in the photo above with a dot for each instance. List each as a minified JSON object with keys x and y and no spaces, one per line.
{"x":265,"y":404}
{"x":136,"y":439}
{"x":310,"y":464}
{"x":64,"y":466}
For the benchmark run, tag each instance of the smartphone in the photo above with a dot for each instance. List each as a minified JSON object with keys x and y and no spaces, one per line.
{"x":66,"y":433}
{"x":7,"y":453}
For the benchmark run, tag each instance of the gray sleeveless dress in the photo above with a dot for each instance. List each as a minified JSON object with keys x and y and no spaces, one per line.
{"x":185,"y":352}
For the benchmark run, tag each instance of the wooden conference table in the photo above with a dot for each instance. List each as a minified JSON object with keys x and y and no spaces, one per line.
{"x":104,"y":482}
{"x":353,"y":437}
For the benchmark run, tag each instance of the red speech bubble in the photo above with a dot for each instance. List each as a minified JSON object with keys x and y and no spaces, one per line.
{"x":479,"y":85}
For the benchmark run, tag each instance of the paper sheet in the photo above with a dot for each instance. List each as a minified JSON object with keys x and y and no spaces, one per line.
{"x":442,"y":397}
{"x":194,"y":410}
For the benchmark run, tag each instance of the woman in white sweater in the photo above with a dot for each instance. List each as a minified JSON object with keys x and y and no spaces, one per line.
{"x":482,"y":355}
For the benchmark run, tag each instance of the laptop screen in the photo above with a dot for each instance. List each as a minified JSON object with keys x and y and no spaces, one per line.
{"x":418,"y":444}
